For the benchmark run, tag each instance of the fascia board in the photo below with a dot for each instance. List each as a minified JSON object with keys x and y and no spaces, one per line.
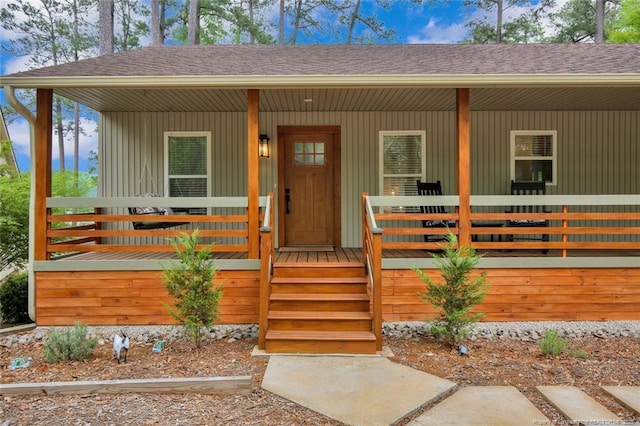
{"x":330,"y":81}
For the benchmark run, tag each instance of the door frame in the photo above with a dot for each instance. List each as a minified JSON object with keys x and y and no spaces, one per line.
{"x":337,"y":182}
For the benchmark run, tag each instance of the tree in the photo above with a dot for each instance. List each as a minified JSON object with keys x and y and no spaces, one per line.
{"x":157,"y":13}
{"x":458,"y":294}
{"x":193,"y":27}
{"x":525,"y":28}
{"x":350,"y":14}
{"x":14,"y":219}
{"x":303,"y":19}
{"x":216,"y":20}
{"x":105,"y":26}
{"x":130,"y":23}
{"x":627,"y":28}
{"x":50,"y":33}
{"x":576,"y":21}
{"x":14,"y":209}
{"x":190,"y":283}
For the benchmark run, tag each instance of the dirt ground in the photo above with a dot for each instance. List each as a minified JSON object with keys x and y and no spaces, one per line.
{"x":588,"y":363}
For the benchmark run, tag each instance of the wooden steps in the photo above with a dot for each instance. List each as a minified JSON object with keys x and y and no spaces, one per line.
{"x":318,"y":308}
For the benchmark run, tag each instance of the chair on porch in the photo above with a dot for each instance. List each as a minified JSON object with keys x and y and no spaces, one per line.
{"x":529,"y":188}
{"x":433,"y":188}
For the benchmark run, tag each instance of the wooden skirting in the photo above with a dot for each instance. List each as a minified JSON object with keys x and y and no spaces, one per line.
{"x":528,"y":295}
{"x":133,"y":298}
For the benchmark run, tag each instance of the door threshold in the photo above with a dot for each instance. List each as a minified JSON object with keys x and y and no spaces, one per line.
{"x":305,"y":248}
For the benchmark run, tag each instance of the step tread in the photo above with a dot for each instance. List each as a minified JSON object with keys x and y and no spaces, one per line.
{"x":314,"y":265}
{"x":320,"y":335}
{"x":320,"y":296}
{"x":319,"y":280}
{"x":330,"y":315}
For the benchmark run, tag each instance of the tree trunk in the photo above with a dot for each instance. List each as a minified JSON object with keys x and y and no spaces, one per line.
{"x":157,"y":36}
{"x":60,"y":131}
{"x":76,"y":143}
{"x":105,"y":13}
{"x":194,"y":23}
{"x":499,"y":22}
{"x":296,"y":21}
{"x":352,"y":22}
{"x":599,"y":36}
{"x":281,"y":24}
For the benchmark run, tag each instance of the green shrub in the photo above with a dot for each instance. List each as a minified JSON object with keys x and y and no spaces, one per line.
{"x":551,"y":344}
{"x":190,"y":282}
{"x":71,"y":344}
{"x":14,"y":308}
{"x":577,"y":353}
{"x":458,"y":294}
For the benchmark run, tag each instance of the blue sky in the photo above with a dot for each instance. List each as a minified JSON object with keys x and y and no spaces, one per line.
{"x":437,"y":22}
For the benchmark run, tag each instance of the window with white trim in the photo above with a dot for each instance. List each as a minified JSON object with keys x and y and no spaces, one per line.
{"x":187,"y":164}
{"x":534,"y":155}
{"x":402,"y":161}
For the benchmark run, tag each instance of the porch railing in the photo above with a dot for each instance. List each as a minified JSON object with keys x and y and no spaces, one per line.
{"x":372,"y":258}
{"x":105,"y":225}
{"x":575,"y":222}
{"x":267,"y":255}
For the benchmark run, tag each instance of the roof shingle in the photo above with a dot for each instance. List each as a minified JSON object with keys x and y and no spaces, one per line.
{"x":411,"y":59}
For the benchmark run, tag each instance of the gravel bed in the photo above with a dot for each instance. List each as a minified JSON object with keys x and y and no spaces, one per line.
{"x":526,"y":331}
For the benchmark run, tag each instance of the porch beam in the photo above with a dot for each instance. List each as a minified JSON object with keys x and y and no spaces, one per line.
{"x":253,"y":172}
{"x":42,"y":153}
{"x":464,"y":164}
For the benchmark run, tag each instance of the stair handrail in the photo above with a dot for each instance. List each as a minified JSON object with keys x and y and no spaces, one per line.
{"x":267,"y":254}
{"x":372,"y":253}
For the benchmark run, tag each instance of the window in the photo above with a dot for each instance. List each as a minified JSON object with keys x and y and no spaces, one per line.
{"x":308,"y":154}
{"x":402,"y":158}
{"x":187,"y":163}
{"x":533,"y":155}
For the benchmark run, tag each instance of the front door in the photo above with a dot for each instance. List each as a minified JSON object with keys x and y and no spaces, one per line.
{"x":308,"y":186}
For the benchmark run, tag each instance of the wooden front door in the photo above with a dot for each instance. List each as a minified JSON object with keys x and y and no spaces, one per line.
{"x":308,"y":186}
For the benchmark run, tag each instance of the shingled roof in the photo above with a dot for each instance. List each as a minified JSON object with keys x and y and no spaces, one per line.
{"x":349,"y":77}
{"x":352,"y":60}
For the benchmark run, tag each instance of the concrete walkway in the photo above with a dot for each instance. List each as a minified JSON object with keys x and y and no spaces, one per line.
{"x":371,"y":390}
{"x":483,"y":405}
{"x":353,"y":390}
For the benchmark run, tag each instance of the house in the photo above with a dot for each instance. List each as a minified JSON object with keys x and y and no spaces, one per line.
{"x":300,"y":163}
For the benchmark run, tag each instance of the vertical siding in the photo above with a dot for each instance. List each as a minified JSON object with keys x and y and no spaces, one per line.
{"x":597,"y":151}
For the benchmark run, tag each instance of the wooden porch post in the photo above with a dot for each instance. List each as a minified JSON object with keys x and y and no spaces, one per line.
{"x":253,"y":172}
{"x":464,"y":164}
{"x":42,"y":153}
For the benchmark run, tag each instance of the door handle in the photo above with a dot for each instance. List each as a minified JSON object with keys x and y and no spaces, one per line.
{"x":287,"y":199}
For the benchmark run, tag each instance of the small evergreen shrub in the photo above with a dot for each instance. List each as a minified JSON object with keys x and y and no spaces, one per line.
{"x":457,"y":295}
{"x":190,"y":282}
{"x":551,"y":344}
{"x":14,"y":308}
{"x":71,"y":344}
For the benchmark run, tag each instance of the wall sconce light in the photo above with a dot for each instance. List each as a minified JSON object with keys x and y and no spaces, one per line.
{"x":263,"y":146}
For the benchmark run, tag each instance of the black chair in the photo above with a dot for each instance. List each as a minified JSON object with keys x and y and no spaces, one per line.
{"x":529,"y":188}
{"x":433,"y":188}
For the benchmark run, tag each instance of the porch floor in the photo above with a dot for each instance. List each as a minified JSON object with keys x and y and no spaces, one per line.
{"x":349,"y":255}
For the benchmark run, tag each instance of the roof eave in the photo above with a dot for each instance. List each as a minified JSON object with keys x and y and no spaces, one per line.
{"x":329,"y":81}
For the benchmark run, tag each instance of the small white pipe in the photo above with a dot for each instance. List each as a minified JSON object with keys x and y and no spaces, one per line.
{"x":31,"y":119}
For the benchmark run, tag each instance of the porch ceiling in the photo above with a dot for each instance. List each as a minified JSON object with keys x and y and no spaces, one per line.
{"x":360,"y":99}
